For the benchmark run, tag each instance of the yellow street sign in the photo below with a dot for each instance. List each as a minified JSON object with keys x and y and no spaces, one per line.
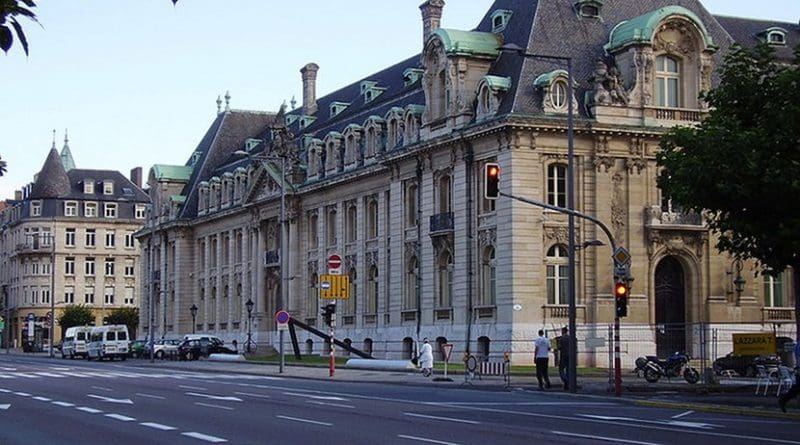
{"x":754,"y":343}
{"x":334,"y":287}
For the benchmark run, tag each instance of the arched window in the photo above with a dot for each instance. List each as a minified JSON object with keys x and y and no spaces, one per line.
{"x":774,"y":294}
{"x":411,"y":205}
{"x":488,"y":295}
{"x":445,"y":280}
{"x":330,"y":232}
{"x":557,"y":185}
{"x":668,"y":82}
{"x":309,"y":346}
{"x":556,"y":262}
{"x":408,"y":348}
{"x":411,"y":285}
{"x":367,"y":346}
{"x":559,"y":93}
{"x":483,"y":349}
{"x":372,"y":218}
{"x":445,"y":196}
{"x":350,"y":305}
{"x":352,"y":225}
{"x":313,"y":239}
{"x":372,"y":291}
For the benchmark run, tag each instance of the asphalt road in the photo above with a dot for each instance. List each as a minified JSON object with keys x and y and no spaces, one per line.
{"x":44,"y":401}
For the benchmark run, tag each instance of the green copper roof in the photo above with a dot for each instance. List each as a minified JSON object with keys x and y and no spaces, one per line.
{"x":544,"y":80}
{"x":497,"y":83}
{"x":641,"y":29}
{"x":470,"y":43}
{"x":178,"y":198}
{"x":172,"y":172}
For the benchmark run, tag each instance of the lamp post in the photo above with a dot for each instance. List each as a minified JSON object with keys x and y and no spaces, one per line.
{"x":193,"y":311}
{"x":249,"y":306}
{"x":573,"y":365}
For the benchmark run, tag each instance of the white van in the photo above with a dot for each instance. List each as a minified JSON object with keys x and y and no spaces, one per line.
{"x":108,"y":342}
{"x":75,"y":340}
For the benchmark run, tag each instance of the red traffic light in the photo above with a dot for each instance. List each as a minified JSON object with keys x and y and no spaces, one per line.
{"x":491,"y":179}
{"x":620,"y":290}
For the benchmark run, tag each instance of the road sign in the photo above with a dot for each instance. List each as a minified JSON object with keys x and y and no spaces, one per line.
{"x":447,"y":348}
{"x":282,"y":317}
{"x":31,"y":316}
{"x":334,"y":264}
{"x":333,"y":286}
{"x":621,"y":256}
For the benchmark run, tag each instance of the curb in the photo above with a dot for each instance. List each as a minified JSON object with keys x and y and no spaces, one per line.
{"x":723,"y":409}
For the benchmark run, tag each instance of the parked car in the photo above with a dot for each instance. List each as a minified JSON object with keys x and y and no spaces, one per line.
{"x":136,"y":348}
{"x":202,"y":347}
{"x":745,"y":365}
{"x":162,"y":348}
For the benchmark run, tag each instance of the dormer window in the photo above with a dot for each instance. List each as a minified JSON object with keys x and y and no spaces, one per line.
{"x":411,"y":76}
{"x":775,"y":36}
{"x":108,"y":187}
{"x":555,"y":89}
{"x":290,"y":119}
{"x":36,"y":208}
{"x":589,"y":8}
{"x":195,"y":158}
{"x":370,"y":91}
{"x":305,"y":121}
{"x":338,"y":107}
{"x":500,"y":20}
{"x":250,"y":144}
{"x":88,"y":186}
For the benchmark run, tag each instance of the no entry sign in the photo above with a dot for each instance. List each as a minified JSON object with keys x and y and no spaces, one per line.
{"x":334,"y":264}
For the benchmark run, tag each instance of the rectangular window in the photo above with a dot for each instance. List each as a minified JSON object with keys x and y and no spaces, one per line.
{"x":46,"y":268}
{"x":90,"y":210}
{"x":130,"y":267}
{"x":88,"y":266}
{"x":130,"y":240}
{"x":35,"y":268}
{"x":71,"y":208}
{"x":69,"y":266}
{"x":45,"y":295}
{"x":88,"y":186}
{"x":88,"y":296}
{"x":141,"y":211}
{"x":35,"y":296}
{"x":108,"y":187}
{"x":90,"y":237}
{"x":111,"y":238}
{"x":110,"y":210}
{"x":69,"y":295}
{"x":109,"y":295}
{"x":36,"y":208}
{"x":109,"y":266}
{"x":69,"y":239}
{"x":129,"y":296}
{"x":773,"y":291}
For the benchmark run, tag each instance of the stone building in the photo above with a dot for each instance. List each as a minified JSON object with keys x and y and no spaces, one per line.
{"x":387,"y":173}
{"x":68,"y":238}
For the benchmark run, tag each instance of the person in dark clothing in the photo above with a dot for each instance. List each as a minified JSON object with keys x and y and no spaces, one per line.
{"x":564,"y":344}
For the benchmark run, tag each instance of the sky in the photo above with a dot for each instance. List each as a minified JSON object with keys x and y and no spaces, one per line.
{"x":135,"y":82}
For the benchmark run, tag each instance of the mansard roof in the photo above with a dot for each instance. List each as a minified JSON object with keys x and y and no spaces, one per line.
{"x":52,"y":180}
{"x":227,"y":134}
{"x":177,"y":173}
{"x":641,"y":29}
{"x":469,"y":43}
{"x":124,"y":189}
{"x":749,"y":33}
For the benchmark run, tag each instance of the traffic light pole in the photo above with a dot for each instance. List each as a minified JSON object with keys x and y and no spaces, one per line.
{"x":333,"y":343}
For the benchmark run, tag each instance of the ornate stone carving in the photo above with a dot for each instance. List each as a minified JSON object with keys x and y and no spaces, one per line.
{"x":643,"y":61}
{"x":608,"y":85}
{"x":312,"y":267}
{"x":559,"y":234}
{"x":487,"y":238}
{"x":371,"y":259}
{"x":636,"y":146}
{"x":601,"y":144}
{"x":350,"y":261}
{"x":411,"y":249}
{"x":603,"y":163}
{"x":619,"y":208}
{"x":635,"y":165}
{"x":676,"y":37}
{"x":675,"y":242}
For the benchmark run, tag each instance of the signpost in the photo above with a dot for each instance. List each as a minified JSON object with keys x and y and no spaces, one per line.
{"x":447,"y":348}
{"x":282,"y":317}
{"x":334,"y":286}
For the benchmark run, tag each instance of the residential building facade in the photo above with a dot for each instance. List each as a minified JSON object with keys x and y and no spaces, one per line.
{"x":387,"y":173}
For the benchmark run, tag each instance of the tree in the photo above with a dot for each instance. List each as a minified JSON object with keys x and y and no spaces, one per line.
{"x":10,"y":10}
{"x":3,"y":166}
{"x":128,"y":316}
{"x":741,"y":165}
{"x":75,"y":315}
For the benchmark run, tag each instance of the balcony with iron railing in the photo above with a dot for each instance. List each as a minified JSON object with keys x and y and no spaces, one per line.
{"x":442,"y":224}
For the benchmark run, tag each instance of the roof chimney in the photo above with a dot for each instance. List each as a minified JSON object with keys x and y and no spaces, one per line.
{"x":136,"y":176}
{"x":431,"y":17}
{"x":309,"y":73}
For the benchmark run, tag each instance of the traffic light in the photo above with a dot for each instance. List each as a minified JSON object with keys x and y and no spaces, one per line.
{"x":491,"y":180}
{"x":621,"y":290}
{"x":327,"y":312}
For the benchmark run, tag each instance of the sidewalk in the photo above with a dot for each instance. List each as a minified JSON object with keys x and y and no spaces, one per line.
{"x":733,"y":396}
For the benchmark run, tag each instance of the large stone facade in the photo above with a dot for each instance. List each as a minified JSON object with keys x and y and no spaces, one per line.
{"x":387,"y":173}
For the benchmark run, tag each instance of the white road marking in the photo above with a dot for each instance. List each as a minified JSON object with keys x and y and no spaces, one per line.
{"x":337,"y":405}
{"x":3,"y":390}
{"x":603,"y":438}
{"x":102,"y":388}
{"x":250,"y":394}
{"x":121,"y":417}
{"x":150,"y":396}
{"x":42,"y":399}
{"x":297,"y":419}
{"x":5,"y":406}
{"x":214,"y":406}
{"x":60,"y":368}
{"x":423,"y":439}
{"x":316,"y":397}
{"x":86,"y":409}
{"x":213,"y":397}
{"x":109,"y":399}
{"x":205,"y":437}
{"x":699,"y":425}
{"x":65,"y":404}
{"x":3,"y":376}
{"x":29,"y":376}
{"x":678,"y":416}
{"x":23,"y":394}
{"x":192,"y":387}
{"x":49,"y":374}
{"x":446,"y":419}
{"x":158,"y":426}
{"x":7,"y":369}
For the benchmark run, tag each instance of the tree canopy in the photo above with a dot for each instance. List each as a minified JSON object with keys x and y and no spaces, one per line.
{"x":75,"y":315}
{"x":10,"y":11}
{"x":741,"y":165}
{"x":128,"y":316}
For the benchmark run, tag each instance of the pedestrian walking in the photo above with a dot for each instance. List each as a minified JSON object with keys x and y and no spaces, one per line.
{"x":541,"y":353}
{"x":235,"y":345}
{"x":426,"y":358}
{"x":564,"y":345}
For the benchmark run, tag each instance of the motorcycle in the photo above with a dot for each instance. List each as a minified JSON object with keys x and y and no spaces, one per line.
{"x":677,"y":364}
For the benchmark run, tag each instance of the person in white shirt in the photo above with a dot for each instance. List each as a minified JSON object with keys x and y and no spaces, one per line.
{"x":541,"y":353}
{"x":426,"y":358}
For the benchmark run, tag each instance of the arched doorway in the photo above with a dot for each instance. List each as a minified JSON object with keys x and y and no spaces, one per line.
{"x":670,"y":286}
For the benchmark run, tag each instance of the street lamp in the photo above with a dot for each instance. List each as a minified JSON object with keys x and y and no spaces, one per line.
{"x":193,"y":310}
{"x":573,"y":359}
{"x":249,"y":306}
